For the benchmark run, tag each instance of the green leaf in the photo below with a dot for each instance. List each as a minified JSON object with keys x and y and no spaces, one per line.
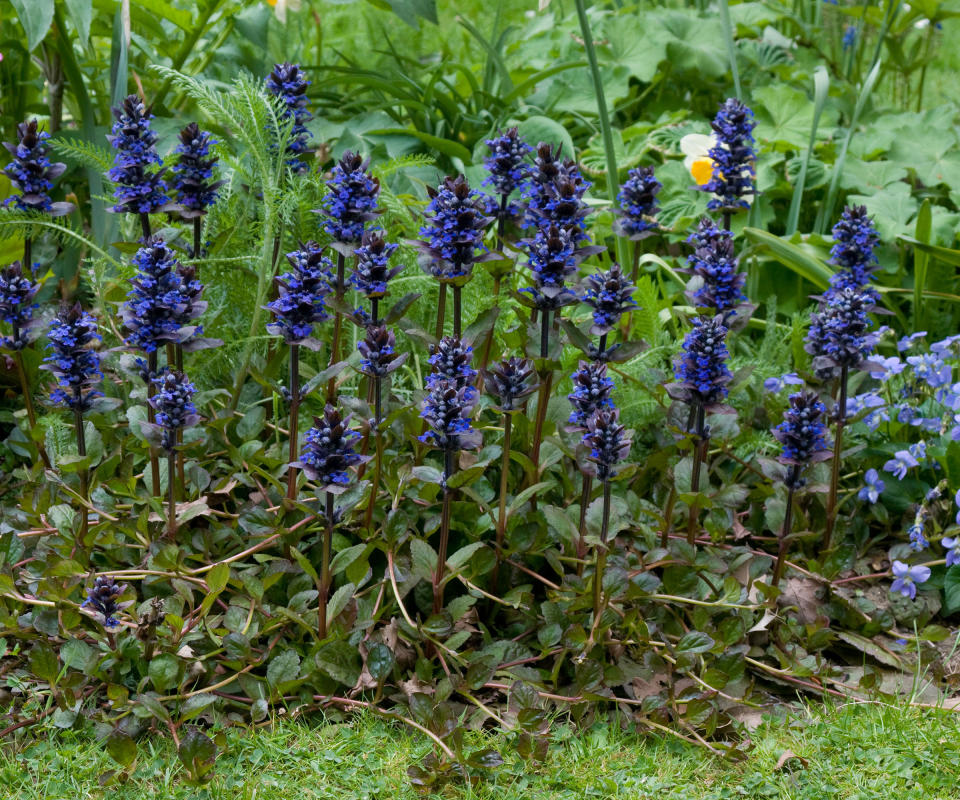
{"x":792,"y":256}
{"x":44,"y":663}
{"x":77,"y":654}
{"x":163,"y":671}
{"x":36,"y":16}
{"x":121,"y":747}
{"x":694,"y":642}
{"x":197,"y":752}
{"x":380,"y":661}
{"x":445,"y":146}
{"x":284,"y":668}
{"x":345,"y":558}
{"x":305,"y":564}
{"x":81,"y":14}
{"x":463,"y":555}
{"x":340,"y":661}
{"x":424,"y":558}
{"x":217,"y":577}
{"x":196,"y":704}
{"x":951,"y":590}
{"x":892,"y":209}
{"x":538,"y":129}
{"x":339,"y":601}
{"x":411,"y":10}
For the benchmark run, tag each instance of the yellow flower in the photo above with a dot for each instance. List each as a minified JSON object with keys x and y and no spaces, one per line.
{"x":280,"y":8}
{"x":696,"y":147}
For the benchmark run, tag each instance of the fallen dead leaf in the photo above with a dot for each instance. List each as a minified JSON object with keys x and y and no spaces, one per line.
{"x":788,"y":755}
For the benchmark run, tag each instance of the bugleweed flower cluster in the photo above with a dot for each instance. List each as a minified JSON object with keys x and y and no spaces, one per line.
{"x":431,"y":538}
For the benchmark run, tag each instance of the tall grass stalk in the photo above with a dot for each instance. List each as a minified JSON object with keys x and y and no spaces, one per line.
{"x":821,"y":87}
{"x":826,"y":210}
{"x":613,"y":175}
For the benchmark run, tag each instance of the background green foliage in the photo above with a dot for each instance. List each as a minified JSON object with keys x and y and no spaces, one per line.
{"x":223,"y":627}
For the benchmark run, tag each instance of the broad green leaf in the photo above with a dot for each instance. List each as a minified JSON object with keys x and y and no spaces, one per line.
{"x":121,"y":747}
{"x":892,"y":209}
{"x":463,"y":555}
{"x":36,"y":17}
{"x":81,"y":14}
{"x":411,"y":11}
{"x":284,"y":668}
{"x":164,"y":670}
{"x":339,"y":601}
{"x":538,"y":129}
{"x":340,"y":661}
{"x":951,"y":590}
{"x":792,"y":256}
{"x":380,"y":661}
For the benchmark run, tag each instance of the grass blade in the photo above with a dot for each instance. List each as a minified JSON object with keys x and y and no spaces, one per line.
{"x":821,"y":87}
{"x":921,"y":261}
{"x":731,"y":46}
{"x":826,"y":211}
{"x":613,"y":176}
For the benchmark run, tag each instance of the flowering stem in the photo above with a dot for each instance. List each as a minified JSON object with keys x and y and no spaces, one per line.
{"x":602,"y":347}
{"x":837,"y":446}
{"x":584,"y":504}
{"x":181,"y":474}
{"x":325,"y":571}
{"x":337,"y":328}
{"x":668,"y":516}
{"x":501,"y":226}
{"x":197,"y":227}
{"x":727,"y":218}
{"x":171,"y":497}
{"x":441,"y":309}
{"x":152,"y":419}
{"x":28,"y":399}
{"x":634,"y":276}
{"x":84,"y":472}
{"x":375,"y":309}
{"x":504,"y":477}
{"x":457,"y":320}
{"x":545,"y":334}
{"x":601,"y":555}
{"x":375,"y":485}
{"x":28,"y":252}
{"x":444,"y":533}
{"x":294,"y":419}
{"x":145,"y":225}
{"x":543,"y":398}
{"x":787,"y":525}
{"x":699,"y":455}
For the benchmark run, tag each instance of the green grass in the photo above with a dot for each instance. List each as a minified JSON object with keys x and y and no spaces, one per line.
{"x":853,"y":752}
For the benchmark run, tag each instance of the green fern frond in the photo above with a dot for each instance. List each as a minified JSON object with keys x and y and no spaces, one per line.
{"x":388,"y":168}
{"x":33,"y":224}
{"x":83,"y":153}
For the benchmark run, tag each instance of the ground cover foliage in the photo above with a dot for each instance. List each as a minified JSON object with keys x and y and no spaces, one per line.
{"x":327,"y":388}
